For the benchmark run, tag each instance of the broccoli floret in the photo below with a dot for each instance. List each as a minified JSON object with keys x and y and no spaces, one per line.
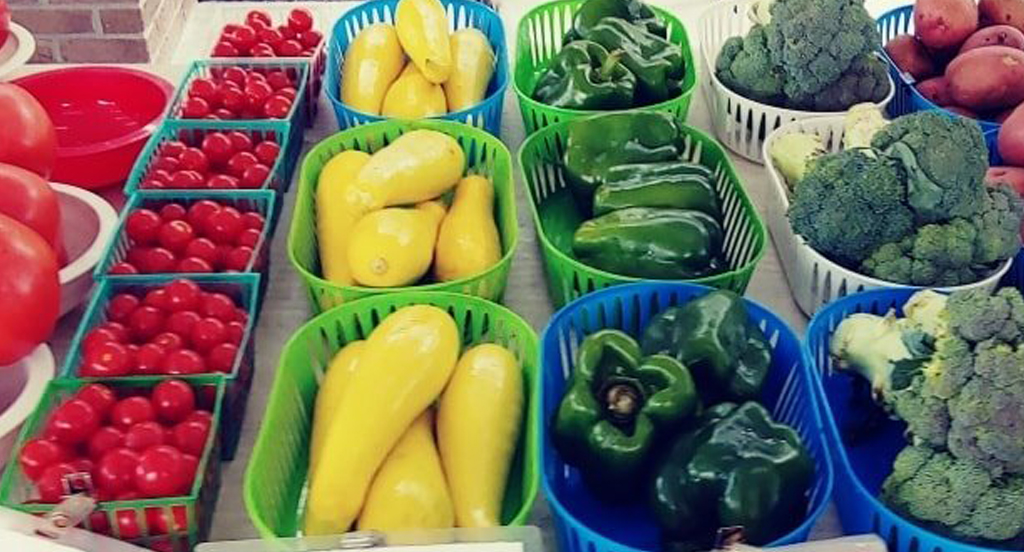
{"x":944,"y":159}
{"x":850,"y":204}
{"x":923,"y":405}
{"x":998,"y":225}
{"x":744,"y":66}
{"x":957,"y":497}
{"x":977,"y":315}
{"x":867,"y":80}
{"x":817,"y":41}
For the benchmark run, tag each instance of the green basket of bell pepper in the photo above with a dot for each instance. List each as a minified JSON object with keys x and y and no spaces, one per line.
{"x":592,"y":72}
{"x":659,"y":162}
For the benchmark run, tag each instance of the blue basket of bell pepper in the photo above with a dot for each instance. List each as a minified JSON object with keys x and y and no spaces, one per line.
{"x":771,"y":363}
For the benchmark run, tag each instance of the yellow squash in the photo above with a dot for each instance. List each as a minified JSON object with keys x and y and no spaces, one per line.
{"x":478,"y":426}
{"x":419,"y":165}
{"x":410,"y":491}
{"x":372,"y":62}
{"x":394,"y":247}
{"x":333,"y":221}
{"x":472,"y":68}
{"x":404,"y":366}
{"x":340,"y":370}
{"x":468,"y":242}
{"x":412,"y":96}
{"x":423,"y":31}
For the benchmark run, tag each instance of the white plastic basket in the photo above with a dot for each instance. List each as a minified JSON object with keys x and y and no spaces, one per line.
{"x":740,"y":123}
{"x":813,"y":279}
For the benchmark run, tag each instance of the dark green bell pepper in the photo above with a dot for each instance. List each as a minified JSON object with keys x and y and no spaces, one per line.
{"x":651,"y":188}
{"x":736,"y":468}
{"x":645,"y":242}
{"x":597,"y":145}
{"x":717,"y":339}
{"x":634,"y":11}
{"x":617,"y":405}
{"x":656,"y":62}
{"x":584,"y":75}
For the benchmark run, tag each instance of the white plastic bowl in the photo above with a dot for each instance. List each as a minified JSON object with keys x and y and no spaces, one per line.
{"x":87,"y":223}
{"x":740,"y":123}
{"x":21,"y":386}
{"x":814,"y":279}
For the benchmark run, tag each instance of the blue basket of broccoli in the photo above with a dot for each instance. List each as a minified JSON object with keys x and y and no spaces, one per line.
{"x":585,"y":524}
{"x":907,"y":99}
{"x":953,"y":496}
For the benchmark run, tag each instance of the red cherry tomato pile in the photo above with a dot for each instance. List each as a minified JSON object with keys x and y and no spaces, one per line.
{"x":178,"y":329}
{"x":221,"y":161}
{"x":259,"y":37}
{"x":132,"y":447}
{"x":237,"y":93}
{"x":205,"y":237}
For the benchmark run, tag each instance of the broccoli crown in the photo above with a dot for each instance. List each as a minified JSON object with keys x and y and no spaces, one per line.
{"x":932,"y":381}
{"x":944,"y":160}
{"x":744,"y":66}
{"x":850,"y":204}
{"x":977,"y":315}
{"x":957,"y":496}
{"x":816,"y":41}
{"x":999,"y":224}
{"x":867,"y":80}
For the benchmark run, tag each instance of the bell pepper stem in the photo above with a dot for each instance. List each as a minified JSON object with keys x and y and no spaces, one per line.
{"x":622,"y":399}
{"x":610,"y":62}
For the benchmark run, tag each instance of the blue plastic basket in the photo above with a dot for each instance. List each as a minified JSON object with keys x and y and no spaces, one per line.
{"x":582,"y":523}
{"x":907,"y":99}
{"x":861,"y":469}
{"x":240,"y":287}
{"x":461,"y":14}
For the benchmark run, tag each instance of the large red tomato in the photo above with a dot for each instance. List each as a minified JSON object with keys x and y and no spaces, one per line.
{"x":29,"y":289}
{"x":28,"y":139}
{"x":31,"y":201}
{"x":5,"y":22}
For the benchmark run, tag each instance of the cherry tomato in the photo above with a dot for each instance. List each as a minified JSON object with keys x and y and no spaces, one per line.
{"x":142,"y":226}
{"x":146,"y":323}
{"x":100,"y":397}
{"x":222,"y":182}
{"x":159,"y":471}
{"x":205,"y":89}
{"x":39,"y":454}
{"x":244,"y":38}
{"x":194,"y":108}
{"x":182,"y":294}
{"x":73,"y":422}
{"x":217,"y":147}
{"x":193,"y":159}
{"x":234,"y":332}
{"x":225,"y":114}
{"x":172,"y":211}
{"x":222,"y":255}
{"x":98,"y":523}
{"x":160,"y":175}
{"x":150,"y":359}
{"x":190,"y":467}
{"x":219,"y":306}
{"x":234,"y":74}
{"x":182,"y":322}
{"x":287,"y":32}
{"x":207,"y":333}
{"x":232,"y":98}
{"x":225,"y":49}
{"x":116,"y":470}
{"x":255,"y":176}
{"x":107,"y":360}
{"x":158,"y":260}
{"x":169,"y":341}
{"x":50,"y":484}
{"x":262,"y":51}
{"x":176,"y":235}
{"x":143,"y":435}
{"x":311,"y":38}
{"x":95,"y":338}
{"x":240,"y":140}
{"x":193,"y":265}
{"x":127,"y":520}
{"x":289,"y":48}
{"x":164,"y":163}
{"x":300,"y":19}
{"x":266,"y":152}
{"x":277,"y":107}
{"x":117,"y":329}
{"x":185,"y":180}
{"x":130,"y":411}
{"x":190,"y":435}
{"x":160,"y":522}
{"x":270,"y":37}
{"x":184,"y":362}
{"x":258,"y":26}
{"x":156,"y":298}
{"x":278,"y":79}
{"x":151,"y":184}
{"x":222,"y":357}
{"x":172,"y":148}
{"x":258,"y":15}
{"x":104,"y":440}
{"x":122,"y":305}
{"x":123,"y":268}
{"x":238,"y":260}
{"x":257,"y":92}
{"x":174,"y":400}
{"x":202,"y":209}
{"x":241,"y":161}
{"x":288,"y":92}
{"x":202,"y":248}
{"x":249,"y":237}
{"x":224,"y":226}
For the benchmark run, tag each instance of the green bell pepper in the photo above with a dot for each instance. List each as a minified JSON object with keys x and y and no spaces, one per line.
{"x":655,"y":188}
{"x":716,"y":338}
{"x":645,"y":242}
{"x":634,"y":11}
{"x":584,"y":75}
{"x":656,"y":62}
{"x":617,"y":405}
{"x":736,"y":468}
{"x":596,"y":145}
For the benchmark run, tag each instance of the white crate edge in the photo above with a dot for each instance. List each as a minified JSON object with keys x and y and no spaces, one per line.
{"x":813,"y":279}
{"x":731,"y":113}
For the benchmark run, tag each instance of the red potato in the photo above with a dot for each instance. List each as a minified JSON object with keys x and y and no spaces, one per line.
{"x":911,"y":57}
{"x":987,"y":79}
{"x":1002,"y":12}
{"x":962,"y":111}
{"x":997,"y":35}
{"x":945,"y":24}
{"x":1011,"y":138}
{"x":936,"y":90}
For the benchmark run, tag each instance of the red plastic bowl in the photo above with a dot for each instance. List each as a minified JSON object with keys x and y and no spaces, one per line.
{"x":103,"y":117}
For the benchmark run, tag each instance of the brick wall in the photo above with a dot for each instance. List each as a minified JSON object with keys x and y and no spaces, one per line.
{"x":102,"y":31}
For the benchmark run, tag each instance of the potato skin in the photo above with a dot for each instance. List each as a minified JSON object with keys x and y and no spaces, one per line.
{"x":936,"y":90}
{"x":996,"y":35}
{"x":945,"y":24}
{"x":1011,"y":139}
{"x":1002,"y":12}
{"x":988,"y":78}
{"x":911,"y":57}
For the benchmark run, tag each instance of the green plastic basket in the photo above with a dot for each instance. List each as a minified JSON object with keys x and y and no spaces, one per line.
{"x":556,"y":216}
{"x":539,"y":38}
{"x":275,"y":479}
{"x":485,"y":155}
